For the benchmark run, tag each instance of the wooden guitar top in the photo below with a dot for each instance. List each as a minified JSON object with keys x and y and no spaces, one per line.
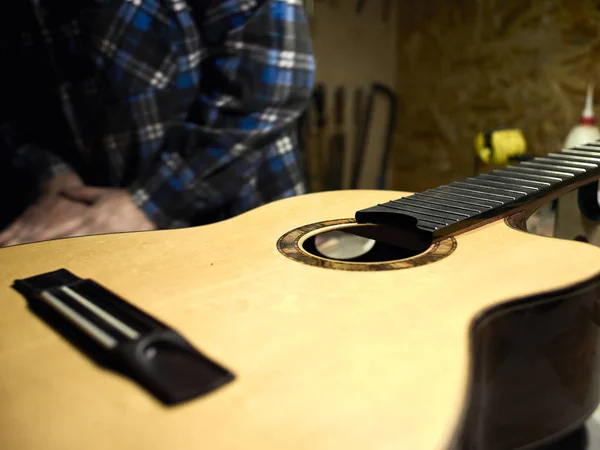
{"x":324,"y":359}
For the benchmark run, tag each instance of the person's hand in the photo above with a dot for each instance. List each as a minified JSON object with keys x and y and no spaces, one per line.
{"x":51,"y":215}
{"x":61,"y":182}
{"x":77,"y":210}
{"x":110,"y":211}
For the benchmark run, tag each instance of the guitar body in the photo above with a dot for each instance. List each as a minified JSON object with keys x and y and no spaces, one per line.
{"x":486,"y":340}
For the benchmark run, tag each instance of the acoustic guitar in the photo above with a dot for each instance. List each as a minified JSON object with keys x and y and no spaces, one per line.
{"x":449,"y":327}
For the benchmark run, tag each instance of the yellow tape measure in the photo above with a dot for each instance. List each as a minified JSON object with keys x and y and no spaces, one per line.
{"x":498,"y":147}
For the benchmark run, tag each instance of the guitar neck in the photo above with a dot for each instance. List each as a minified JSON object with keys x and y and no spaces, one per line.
{"x":468,"y":203}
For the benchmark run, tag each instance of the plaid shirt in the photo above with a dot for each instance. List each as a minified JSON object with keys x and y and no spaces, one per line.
{"x":191,"y":105}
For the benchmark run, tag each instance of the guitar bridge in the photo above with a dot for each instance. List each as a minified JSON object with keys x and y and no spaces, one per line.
{"x":120,"y":336}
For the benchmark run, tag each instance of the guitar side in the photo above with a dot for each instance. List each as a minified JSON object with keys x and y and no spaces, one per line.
{"x":535,"y":370}
{"x":535,"y":366}
{"x":324,"y":358}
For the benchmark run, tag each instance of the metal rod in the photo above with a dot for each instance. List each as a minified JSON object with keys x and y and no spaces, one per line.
{"x":116,"y":323}
{"x":81,"y":322}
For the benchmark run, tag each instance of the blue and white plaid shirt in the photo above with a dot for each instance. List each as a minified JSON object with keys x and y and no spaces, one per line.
{"x":189,"y":104}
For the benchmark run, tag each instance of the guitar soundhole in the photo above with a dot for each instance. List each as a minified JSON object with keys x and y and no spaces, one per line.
{"x":344,"y":245}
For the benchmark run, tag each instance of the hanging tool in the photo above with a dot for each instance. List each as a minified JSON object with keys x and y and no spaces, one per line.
{"x":304,"y":132}
{"x":309,"y":8}
{"x":318,"y":101}
{"x":377,"y":90}
{"x":358,"y":115}
{"x":386,"y":11}
{"x":337,"y":143}
{"x":360,"y":5}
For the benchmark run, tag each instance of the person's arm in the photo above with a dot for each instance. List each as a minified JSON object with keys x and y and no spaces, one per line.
{"x":16,"y":146}
{"x":242,"y":75}
{"x":22,"y":154}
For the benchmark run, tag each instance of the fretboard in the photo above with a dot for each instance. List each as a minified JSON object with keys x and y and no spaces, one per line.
{"x":451,"y":208}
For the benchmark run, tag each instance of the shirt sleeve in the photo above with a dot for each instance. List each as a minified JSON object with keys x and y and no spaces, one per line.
{"x":240,"y":74}
{"x":41,"y":163}
{"x":17,"y":148}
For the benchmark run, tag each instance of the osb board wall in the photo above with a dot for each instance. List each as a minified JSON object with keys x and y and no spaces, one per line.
{"x":354,"y":50}
{"x":469,"y":65}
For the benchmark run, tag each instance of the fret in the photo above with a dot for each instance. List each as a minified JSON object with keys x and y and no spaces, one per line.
{"x":593,"y":156}
{"x":595,"y":162}
{"x":487,"y":190}
{"x":568,"y":160}
{"x":429,"y":218}
{"x":521,"y":175}
{"x":548,"y":169}
{"x":469,"y":201}
{"x":588,"y":147}
{"x":561,"y":169}
{"x":434,"y":207}
{"x":590,"y":144}
{"x":505,"y":185}
{"x":522,"y":181}
{"x":428,"y":226}
{"x":557,"y":177}
{"x":449,"y":203}
{"x":479,"y":196}
{"x":427,"y":212}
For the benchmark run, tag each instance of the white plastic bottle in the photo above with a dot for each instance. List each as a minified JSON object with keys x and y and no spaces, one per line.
{"x":587,"y":129}
{"x":569,"y":222}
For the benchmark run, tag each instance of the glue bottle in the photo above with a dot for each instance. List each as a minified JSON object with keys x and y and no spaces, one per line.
{"x":587,"y":129}
{"x":568,"y":224}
